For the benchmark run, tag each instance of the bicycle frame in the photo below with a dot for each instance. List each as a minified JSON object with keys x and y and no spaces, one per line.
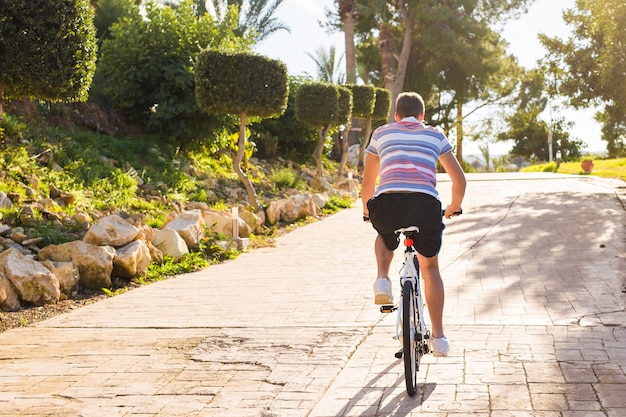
{"x":410,"y":272}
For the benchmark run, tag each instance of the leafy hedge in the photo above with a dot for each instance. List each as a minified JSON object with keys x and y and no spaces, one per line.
{"x":235,"y":83}
{"x":47,"y":49}
{"x":364,"y":97}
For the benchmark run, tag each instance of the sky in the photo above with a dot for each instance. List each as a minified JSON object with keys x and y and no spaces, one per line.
{"x":544,"y":16}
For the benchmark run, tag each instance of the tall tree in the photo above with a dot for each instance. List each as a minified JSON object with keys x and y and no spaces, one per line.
{"x":529,"y":132}
{"x":347,"y":14}
{"x":458,"y":57}
{"x":591,"y":64}
{"x":395,"y":21}
{"x":434,"y":45}
{"x":257,"y":16}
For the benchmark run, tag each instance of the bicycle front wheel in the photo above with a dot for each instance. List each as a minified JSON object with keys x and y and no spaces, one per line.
{"x":411,"y":338}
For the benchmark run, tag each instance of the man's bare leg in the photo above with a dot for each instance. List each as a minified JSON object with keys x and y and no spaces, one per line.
{"x":434,"y":292}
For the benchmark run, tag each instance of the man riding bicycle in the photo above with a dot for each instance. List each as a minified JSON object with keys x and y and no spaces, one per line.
{"x":404,"y":154}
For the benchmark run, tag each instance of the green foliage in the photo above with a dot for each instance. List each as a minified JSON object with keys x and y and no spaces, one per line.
{"x":336,"y":204}
{"x":146,"y":67}
{"x":48,"y":49}
{"x":590,"y":66}
{"x":256,"y":16}
{"x":285,"y":135}
{"x":288,"y":178}
{"x":108,"y":12}
{"x":606,"y":168}
{"x":316,"y":103}
{"x":364,"y":98}
{"x":382,"y":106}
{"x":235,"y":83}
{"x":11,"y":128}
{"x":344,"y":106}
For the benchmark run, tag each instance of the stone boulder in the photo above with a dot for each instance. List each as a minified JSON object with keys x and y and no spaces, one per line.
{"x":33,"y":282}
{"x":131,"y":260}
{"x":288,"y":210}
{"x":190,"y":226}
{"x":170,"y":243}
{"x":9,"y":301}
{"x":320,"y":200}
{"x":320,"y":184}
{"x":111,"y":231}
{"x":222,"y":222}
{"x":254,"y":220}
{"x":66,"y":273}
{"x":95,"y":263}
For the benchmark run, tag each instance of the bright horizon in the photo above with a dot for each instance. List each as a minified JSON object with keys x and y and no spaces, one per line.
{"x":544,"y":16}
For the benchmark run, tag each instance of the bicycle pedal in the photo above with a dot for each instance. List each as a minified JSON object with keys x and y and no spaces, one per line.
{"x":388,"y":308}
{"x":398,"y":354}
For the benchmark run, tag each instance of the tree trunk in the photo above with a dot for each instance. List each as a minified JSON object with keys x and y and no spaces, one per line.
{"x":344,"y":150}
{"x":1,"y":102}
{"x":459,"y":131}
{"x":366,"y":140}
{"x":347,"y":14}
{"x":394,"y":66}
{"x":319,"y":149}
{"x":387,"y":47}
{"x":241,"y":144}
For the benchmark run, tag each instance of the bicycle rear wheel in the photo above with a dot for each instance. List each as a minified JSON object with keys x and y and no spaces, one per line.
{"x":411,"y":338}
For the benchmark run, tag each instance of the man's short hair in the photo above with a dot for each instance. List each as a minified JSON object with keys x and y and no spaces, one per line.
{"x":409,"y":104}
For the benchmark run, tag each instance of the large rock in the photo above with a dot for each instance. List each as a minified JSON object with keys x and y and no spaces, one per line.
{"x":272,"y":212}
{"x":9,"y":301}
{"x":111,"y":231}
{"x":288,"y":210}
{"x":320,"y":200}
{"x":190,"y":226}
{"x":131,"y":260}
{"x":67,"y":274}
{"x":254,"y":220}
{"x":219,"y":222}
{"x":297,"y":206}
{"x":33,"y":282}
{"x":95,"y":263}
{"x":170,"y":244}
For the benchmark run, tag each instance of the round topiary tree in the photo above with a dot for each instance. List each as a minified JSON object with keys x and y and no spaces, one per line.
{"x":245,"y":84}
{"x":47,"y":50}
{"x":321,"y":105}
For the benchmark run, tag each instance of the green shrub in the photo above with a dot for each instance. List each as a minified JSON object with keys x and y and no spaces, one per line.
{"x":287,"y":178}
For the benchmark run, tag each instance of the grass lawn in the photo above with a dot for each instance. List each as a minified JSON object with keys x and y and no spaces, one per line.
{"x":607,"y":168}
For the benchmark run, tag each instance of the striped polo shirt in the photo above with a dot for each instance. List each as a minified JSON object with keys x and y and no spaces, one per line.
{"x":408,"y":151}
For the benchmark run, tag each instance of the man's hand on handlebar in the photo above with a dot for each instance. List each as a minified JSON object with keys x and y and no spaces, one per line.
{"x":451,"y":212}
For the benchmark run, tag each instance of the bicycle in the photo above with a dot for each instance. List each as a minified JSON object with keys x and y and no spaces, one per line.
{"x":411,"y":327}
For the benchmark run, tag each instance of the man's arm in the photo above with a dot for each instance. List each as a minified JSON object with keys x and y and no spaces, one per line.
{"x":454,"y":170}
{"x":370,"y":173}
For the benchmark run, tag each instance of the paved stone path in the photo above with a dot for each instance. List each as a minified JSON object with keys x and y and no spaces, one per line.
{"x":534,"y":273}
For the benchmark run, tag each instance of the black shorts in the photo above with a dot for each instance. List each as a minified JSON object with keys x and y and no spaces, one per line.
{"x":393,"y":211}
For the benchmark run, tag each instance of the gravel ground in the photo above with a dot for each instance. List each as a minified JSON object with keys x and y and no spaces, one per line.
{"x":28,"y":316}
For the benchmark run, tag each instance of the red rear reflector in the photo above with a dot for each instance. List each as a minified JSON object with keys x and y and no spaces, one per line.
{"x":408,"y":242}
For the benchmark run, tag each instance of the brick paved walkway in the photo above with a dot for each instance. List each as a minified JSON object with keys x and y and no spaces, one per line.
{"x":534,"y":275}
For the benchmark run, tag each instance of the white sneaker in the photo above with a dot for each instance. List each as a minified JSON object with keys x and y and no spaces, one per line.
{"x":441,"y":346}
{"x":382,"y":291}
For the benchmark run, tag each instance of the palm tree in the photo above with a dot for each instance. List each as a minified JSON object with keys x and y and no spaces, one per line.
{"x":254,"y":15}
{"x":328,"y":67}
{"x":347,"y":14}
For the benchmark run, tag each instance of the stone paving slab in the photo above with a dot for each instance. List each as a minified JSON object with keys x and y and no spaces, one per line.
{"x":534,"y":309}
{"x":533,"y":270}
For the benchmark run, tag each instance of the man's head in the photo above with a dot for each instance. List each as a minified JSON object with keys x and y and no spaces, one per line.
{"x":410,"y":104}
